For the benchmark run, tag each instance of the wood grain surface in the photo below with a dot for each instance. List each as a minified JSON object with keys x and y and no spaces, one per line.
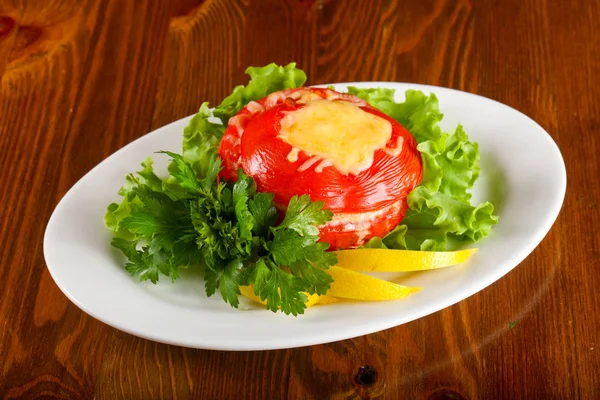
{"x":82,"y":78}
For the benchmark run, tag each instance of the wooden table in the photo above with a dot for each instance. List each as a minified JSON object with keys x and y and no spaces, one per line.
{"x":82,"y":78}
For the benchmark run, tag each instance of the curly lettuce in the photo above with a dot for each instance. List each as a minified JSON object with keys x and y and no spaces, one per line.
{"x":204,"y":132}
{"x":440,"y":210}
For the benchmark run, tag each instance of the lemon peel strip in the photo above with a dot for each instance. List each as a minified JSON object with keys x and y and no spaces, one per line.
{"x":386,"y":260}
{"x":312,"y":299}
{"x":353,"y":285}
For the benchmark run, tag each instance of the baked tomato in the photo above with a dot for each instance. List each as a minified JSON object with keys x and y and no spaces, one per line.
{"x":332,"y":146}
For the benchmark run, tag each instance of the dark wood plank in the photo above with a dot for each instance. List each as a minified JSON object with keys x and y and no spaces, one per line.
{"x":81,"y":79}
{"x":201,"y":59}
{"x":71,"y":94}
{"x":577,"y":73}
{"x":10,"y":18}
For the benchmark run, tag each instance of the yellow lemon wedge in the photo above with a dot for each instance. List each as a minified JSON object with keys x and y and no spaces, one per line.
{"x":385,"y":260}
{"x":348,"y":284}
{"x":313,"y":299}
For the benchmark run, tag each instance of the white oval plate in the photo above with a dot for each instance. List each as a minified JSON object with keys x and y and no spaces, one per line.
{"x":522,"y":172}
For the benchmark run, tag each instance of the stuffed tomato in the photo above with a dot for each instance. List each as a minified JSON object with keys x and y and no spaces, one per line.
{"x":334,"y":147}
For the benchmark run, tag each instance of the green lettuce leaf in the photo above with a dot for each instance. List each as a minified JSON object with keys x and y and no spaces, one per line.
{"x":263,"y":81}
{"x":200,"y":140}
{"x":202,"y":135}
{"x":440,"y":212}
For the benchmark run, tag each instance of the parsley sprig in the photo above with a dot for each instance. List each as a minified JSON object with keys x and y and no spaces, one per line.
{"x":193,"y":220}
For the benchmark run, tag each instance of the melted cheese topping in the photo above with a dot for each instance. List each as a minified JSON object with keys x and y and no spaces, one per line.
{"x":338,"y":132}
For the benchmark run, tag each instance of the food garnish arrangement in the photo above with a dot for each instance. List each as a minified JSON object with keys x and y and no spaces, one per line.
{"x":291,"y":195}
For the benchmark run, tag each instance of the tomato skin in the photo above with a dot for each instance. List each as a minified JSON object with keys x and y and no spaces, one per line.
{"x":368,"y":204}
{"x":348,"y":234}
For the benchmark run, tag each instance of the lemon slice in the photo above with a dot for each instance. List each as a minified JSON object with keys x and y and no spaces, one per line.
{"x":385,"y":260}
{"x":313,"y":299}
{"x":348,"y":284}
